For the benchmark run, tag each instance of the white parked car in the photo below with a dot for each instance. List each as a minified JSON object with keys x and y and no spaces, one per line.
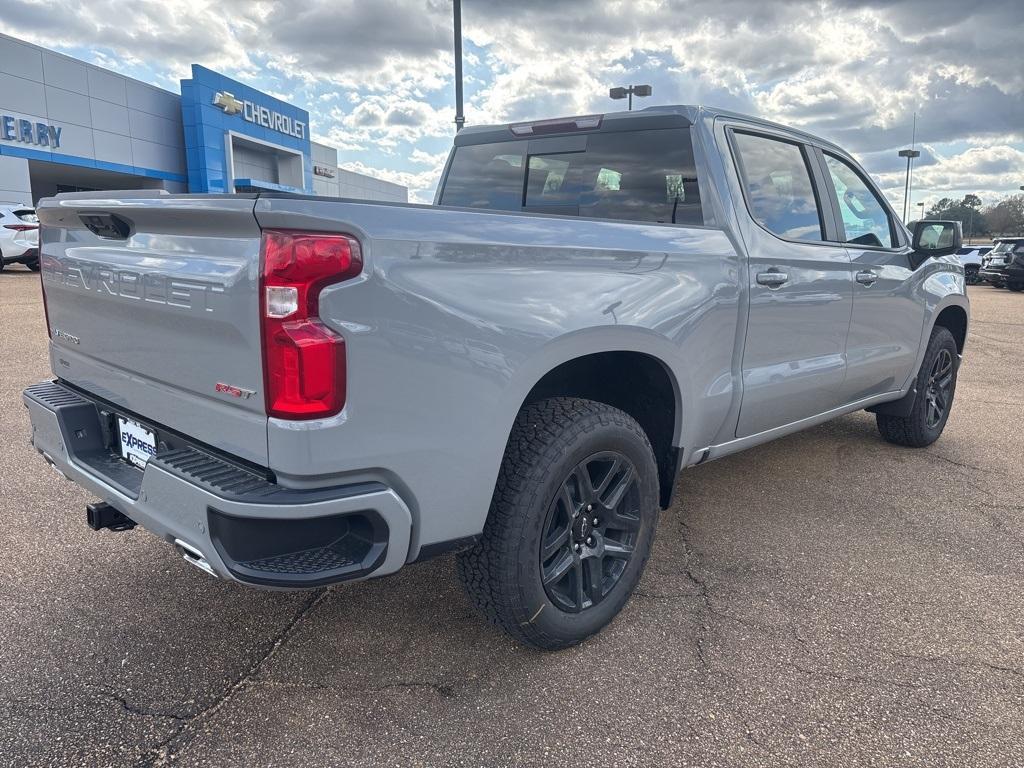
{"x":19,"y":236}
{"x":972,"y":256}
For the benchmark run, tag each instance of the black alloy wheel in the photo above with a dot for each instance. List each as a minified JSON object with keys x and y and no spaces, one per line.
{"x":590,"y":532}
{"x":570,"y":526}
{"x":929,"y":410}
{"x":940,"y":384}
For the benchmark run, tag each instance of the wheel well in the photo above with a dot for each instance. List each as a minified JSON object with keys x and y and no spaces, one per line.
{"x":954,"y":319}
{"x":633,"y":382}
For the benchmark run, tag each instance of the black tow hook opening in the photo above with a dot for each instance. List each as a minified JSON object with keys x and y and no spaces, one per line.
{"x":101,"y":515}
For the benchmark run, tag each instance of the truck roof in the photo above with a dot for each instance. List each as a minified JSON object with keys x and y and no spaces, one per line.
{"x":649,"y":118}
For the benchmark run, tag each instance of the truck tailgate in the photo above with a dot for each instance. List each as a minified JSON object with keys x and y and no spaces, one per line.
{"x":152,"y":303}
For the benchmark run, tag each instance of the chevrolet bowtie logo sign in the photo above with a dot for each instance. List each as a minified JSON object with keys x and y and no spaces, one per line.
{"x":227,"y":102}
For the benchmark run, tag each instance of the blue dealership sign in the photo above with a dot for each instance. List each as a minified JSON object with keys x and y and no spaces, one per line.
{"x":214,"y":106}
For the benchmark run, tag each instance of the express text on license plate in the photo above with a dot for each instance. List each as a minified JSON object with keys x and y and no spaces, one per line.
{"x":138,"y":444}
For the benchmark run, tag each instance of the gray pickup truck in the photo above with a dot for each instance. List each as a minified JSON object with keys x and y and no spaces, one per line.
{"x":296,"y":391}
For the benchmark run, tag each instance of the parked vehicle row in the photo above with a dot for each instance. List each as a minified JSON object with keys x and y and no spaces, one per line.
{"x":1003,"y":267}
{"x":19,"y":236}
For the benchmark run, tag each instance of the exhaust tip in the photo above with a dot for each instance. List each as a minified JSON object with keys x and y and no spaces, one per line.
{"x":194,"y":557}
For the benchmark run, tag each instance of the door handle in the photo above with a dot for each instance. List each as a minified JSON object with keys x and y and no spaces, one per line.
{"x":866,"y":277}
{"x":772,"y":278}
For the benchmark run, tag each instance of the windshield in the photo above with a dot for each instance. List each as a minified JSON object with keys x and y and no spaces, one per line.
{"x":1002,"y":248}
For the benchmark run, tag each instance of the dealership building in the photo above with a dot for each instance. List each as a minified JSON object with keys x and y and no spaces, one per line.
{"x":67,"y":126}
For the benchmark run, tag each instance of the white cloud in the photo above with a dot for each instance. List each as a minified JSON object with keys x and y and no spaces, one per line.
{"x":376,"y":76}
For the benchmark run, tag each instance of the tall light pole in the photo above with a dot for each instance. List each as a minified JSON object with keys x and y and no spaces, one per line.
{"x":910,"y":154}
{"x":633,"y":90}
{"x":460,"y":119}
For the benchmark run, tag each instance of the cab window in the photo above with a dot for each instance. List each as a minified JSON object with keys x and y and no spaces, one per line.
{"x":865,"y":219}
{"x":778,"y":185}
{"x":645,"y":175}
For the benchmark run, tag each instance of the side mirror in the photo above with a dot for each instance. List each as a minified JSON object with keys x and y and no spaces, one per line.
{"x":936,"y":238}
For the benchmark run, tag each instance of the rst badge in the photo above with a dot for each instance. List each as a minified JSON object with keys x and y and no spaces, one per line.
{"x":239,"y":392}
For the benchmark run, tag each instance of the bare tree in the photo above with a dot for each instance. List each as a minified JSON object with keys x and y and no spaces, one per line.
{"x":1006,"y":217}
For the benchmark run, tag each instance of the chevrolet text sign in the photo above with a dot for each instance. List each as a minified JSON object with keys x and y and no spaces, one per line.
{"x":258,"y":115}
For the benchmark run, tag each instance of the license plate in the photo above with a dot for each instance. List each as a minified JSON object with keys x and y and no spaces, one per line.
{"x":137,"y":442}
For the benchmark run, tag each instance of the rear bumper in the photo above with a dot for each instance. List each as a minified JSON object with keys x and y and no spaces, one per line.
{"x":246,"y":527}
{"x":992,"y":275}
{"x":22,"y":252}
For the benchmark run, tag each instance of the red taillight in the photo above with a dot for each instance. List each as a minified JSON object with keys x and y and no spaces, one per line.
{"x":303,"y":359}
{"x":21,"y":227}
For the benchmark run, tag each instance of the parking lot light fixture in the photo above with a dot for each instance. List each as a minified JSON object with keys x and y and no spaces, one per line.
{"x":910,"y":154}
{"x":634,"y":90}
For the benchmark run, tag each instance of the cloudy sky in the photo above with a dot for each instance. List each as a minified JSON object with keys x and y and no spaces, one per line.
{"x":376,"y":75}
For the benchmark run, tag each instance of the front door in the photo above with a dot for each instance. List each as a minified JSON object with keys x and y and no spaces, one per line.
{"x":888,"y":319}
{"x":801,"y":287}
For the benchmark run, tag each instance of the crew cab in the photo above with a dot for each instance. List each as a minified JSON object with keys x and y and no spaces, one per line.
{"x":297,"y":391}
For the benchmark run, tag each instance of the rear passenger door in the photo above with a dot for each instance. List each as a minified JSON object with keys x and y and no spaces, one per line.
{"x":800,"y":284}
{"x":888,"y":318}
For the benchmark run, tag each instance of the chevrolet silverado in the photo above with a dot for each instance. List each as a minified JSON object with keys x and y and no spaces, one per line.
{"x":296,"y":391}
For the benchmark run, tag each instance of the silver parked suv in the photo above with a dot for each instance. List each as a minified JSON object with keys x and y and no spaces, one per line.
{"x":295,"y":391}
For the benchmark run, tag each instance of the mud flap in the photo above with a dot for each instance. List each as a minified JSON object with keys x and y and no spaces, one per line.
{"x":900,"y":408}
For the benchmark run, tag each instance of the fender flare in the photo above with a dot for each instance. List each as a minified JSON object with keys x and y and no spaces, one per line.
{"x":590,"y":341}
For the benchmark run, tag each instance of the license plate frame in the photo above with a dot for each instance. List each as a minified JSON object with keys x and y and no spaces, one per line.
{"x":136,"y":442}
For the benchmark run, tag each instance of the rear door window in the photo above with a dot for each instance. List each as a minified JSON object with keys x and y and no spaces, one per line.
{"x":777,"y":180}
{"x":628,"y":175}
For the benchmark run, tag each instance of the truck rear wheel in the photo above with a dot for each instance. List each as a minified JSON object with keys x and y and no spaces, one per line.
{"x":570,"y":526}
{"x":936,"y":385}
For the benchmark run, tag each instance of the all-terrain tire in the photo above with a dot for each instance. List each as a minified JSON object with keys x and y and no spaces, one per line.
{"x":502,"y":572}
{"x":917,"y":429}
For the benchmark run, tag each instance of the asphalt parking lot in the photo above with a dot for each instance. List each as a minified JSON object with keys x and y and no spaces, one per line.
{"x":827,"y":599}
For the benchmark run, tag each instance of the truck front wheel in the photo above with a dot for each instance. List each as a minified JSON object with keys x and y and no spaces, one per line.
{"x":936,"y":385}
{"x":570,"y":526}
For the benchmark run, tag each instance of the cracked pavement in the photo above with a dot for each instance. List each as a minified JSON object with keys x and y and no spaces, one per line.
{"x":826,"y":599}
